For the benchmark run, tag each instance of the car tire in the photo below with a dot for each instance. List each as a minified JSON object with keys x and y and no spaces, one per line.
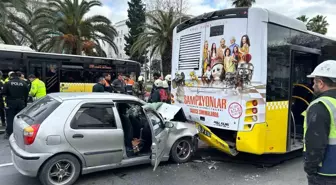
{"x":176,"y":150}
{"x":58,"y":167}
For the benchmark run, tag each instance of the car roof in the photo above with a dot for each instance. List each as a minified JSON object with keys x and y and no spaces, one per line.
{"x":85,"y":95}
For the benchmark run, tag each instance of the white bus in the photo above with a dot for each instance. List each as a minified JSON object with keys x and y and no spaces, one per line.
{"x":61,"y":72}
{"x":241,"y":75}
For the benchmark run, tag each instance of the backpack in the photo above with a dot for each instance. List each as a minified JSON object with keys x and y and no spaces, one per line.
{"x":163,"y":95}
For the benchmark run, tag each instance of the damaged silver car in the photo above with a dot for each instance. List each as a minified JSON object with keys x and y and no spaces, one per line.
{"x":63,"y":135}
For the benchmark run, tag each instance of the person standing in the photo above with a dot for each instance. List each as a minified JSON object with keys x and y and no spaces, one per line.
{"x":100,"y":86}
{"x":118,"y":85}
{"x":129,"y":84}
{"x":16,"y":92}
{"x":107,"y":82}
{"x":38,"y":89}
{"x":139,"y":89}
{"x":319,"y":127}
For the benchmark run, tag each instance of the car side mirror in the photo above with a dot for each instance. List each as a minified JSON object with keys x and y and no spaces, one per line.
{"x":169,"y":124}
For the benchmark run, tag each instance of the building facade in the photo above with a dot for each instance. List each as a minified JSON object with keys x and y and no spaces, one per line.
{"x":122,"y":30}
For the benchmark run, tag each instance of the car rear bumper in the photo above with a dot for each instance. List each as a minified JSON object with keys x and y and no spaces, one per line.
{"x":26,"y":163}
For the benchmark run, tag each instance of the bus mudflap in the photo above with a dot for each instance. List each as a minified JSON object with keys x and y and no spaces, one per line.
{"x":212,"y":140}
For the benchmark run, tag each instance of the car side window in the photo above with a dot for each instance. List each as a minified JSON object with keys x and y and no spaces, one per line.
{"x":94,"y":116}
{"x":156,"y":122}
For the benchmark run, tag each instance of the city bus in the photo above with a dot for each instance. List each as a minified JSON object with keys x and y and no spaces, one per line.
{"x":240,"y":74}
{"x":61,"y":72}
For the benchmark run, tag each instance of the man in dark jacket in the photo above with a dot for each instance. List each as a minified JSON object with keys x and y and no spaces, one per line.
{"x":99,"y":87}
{"x":107,"y":82}
{"x":16,"y":92}
{"x":118,"y":85}
{"x":320,"y":129}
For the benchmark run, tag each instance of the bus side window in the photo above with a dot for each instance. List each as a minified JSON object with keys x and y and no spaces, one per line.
{"x":278,"y":64}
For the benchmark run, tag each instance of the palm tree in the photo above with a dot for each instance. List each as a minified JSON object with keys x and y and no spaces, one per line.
{"x":12,"y":22}
{"x":64,"y":27}
{"x":303,"y":18}
{"x":318,"y":24}
{"x":243,"y":3}
{"x":158,"y":36}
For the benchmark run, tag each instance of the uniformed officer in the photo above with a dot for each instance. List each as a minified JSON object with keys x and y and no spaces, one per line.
{"x":16,"y":92}
{"x":38,"y":88}
{"x":9,"y":76}
{"x":139,"y":89}
{"x":319,"y":127}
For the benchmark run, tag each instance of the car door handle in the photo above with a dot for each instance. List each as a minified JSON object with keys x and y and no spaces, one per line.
{"x":77,"y":136}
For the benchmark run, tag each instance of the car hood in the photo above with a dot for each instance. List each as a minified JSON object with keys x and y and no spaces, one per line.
{"x":166,"y":110}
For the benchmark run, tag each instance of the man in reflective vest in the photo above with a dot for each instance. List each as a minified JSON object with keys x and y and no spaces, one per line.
{"x":38,"y":88}
{"x":319,"y":127}
{"x":129,"y":82}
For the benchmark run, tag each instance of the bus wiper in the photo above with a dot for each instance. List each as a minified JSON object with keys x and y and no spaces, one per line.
{"x":25,"y":115}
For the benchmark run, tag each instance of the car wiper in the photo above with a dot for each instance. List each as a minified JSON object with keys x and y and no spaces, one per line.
{"x":25,"y":115}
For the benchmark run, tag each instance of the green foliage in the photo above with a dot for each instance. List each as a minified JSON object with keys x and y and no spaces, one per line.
{"x":135,"y":22}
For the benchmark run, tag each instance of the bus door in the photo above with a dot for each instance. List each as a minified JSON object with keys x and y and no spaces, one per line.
{"x":46,"y":70}
{"x":303,"y":62}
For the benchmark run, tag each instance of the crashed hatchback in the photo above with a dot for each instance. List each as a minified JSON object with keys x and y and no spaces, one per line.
{"x":63,"y":135}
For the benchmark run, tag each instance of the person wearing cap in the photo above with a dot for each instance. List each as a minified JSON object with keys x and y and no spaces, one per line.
{"x":16,"y":92}
{"x":156,"y":97}
{"x":168,"y":79}
{"x":165,"y":86}
{"x":38,"y":89}
{"x":139,"y":88}
{"x":9,"y":76}
{"x":319,"y":127}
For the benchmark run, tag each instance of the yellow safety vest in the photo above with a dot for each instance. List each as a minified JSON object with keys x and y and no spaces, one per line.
{"x":328,"y":166}
{"x":37,"y":89}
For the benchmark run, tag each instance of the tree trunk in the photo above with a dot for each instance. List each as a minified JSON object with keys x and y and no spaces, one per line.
{"x":167,"y":60}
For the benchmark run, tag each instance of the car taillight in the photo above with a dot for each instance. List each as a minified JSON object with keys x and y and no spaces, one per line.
{"x":29,"y":134}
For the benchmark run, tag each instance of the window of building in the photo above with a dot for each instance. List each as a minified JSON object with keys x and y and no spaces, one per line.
{"x":94,"y":116}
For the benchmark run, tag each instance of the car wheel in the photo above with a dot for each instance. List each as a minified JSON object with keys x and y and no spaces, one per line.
{"x":62,"y":169}
{"x":181,"y":151}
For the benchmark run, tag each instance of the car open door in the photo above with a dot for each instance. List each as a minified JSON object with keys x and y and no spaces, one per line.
{"x":159,"y":135}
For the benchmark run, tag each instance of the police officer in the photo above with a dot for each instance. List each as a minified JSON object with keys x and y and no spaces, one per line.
{"x":319,"y":127}
{"x":168,"y":79}
{"x":16,"y":92}
{"x":37,"y":89}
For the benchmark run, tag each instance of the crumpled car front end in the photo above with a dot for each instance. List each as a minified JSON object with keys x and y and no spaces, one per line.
{"x":181,"y":126}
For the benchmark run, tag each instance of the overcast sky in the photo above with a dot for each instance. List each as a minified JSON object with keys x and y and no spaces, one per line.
{"x":116,"y":10}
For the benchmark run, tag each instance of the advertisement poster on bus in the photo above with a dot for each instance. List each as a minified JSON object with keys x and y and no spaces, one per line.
{"x":213,"y":75}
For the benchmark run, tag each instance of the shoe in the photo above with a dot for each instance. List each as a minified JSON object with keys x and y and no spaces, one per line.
{"x":6,"y":136}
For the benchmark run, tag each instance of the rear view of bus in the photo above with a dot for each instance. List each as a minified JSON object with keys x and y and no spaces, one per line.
{"x":219,"y":79}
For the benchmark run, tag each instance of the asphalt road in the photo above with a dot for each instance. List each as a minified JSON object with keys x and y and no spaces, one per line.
{"x":193,"y":173}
